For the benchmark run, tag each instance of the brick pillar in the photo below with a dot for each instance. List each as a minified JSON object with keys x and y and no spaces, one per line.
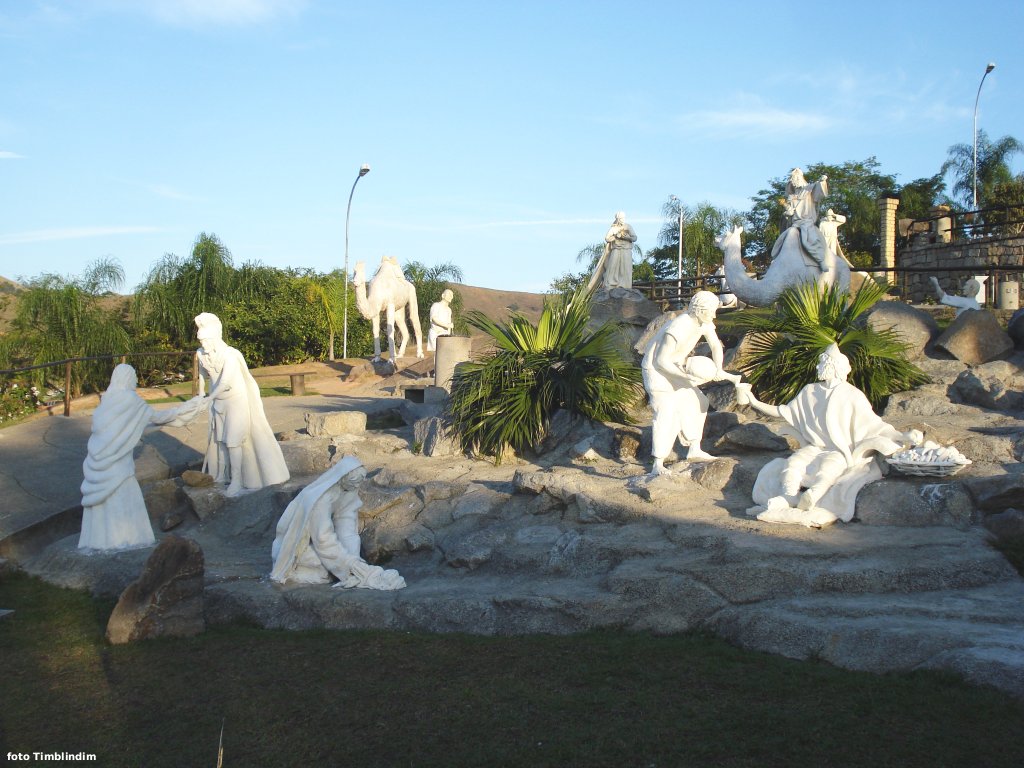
{"x":887,"y":232}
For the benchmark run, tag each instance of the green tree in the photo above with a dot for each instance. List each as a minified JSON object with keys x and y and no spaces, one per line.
{"x":919,"y":196}
{"x":507,"y":397}
{"x":993,"y":168}
{"x":61,"y":317}
{"x":1009,"y":196}
{"x":786,"y":342}
{"x":702,"y":224}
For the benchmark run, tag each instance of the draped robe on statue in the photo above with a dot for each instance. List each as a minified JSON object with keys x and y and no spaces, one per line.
{"x":836,"y":419}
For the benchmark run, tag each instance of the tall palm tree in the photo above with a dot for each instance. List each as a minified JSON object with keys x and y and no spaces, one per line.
{"x":430,"y":283}
{"x":993,"y":167}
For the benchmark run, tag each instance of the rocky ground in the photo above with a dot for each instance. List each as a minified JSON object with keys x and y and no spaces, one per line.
{"x":577,"y":536}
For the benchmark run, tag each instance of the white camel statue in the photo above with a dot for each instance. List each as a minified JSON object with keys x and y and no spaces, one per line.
{"x":790,"y":267}
{"x":389,"y":292}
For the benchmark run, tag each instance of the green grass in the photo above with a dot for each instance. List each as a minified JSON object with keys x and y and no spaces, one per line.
{"x":397,"y":699}
{"x":265,"y":391}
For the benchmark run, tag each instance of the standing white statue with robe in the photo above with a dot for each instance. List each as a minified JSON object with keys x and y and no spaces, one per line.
{"x":615,"y":268}
{"x":114,"y":513}
{"x":242,"y":450}
{"x":318,"y":535}
{"x":440,"y":319}
{"x":840,"y":437}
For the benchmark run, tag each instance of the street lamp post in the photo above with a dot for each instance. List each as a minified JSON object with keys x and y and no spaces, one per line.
{"x":989,"y":68}
{"x":365,"y":169}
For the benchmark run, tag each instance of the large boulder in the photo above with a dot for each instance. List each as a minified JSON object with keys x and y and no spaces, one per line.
{"x":914,"y":327}
{"x":998,"y":385}
{"x":975,"y":338}
{"x":434,"y":437}
{"x":335,"y":423}
{"x":1015,"y":327}
{"x":166,"y":600}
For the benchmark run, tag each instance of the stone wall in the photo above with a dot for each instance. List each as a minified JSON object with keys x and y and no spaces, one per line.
{"x":982,"y":254}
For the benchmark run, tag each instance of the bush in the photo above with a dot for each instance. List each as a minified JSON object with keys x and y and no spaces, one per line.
{"x":508,"y":396}
{"x":786,"y":343}
{"x":17,"y":401}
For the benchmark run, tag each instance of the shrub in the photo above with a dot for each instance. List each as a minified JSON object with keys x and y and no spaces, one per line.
{"x":508,"y":396}
{"x":785,"y":344}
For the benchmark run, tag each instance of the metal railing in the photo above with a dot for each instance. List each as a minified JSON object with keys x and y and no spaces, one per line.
{"x":999,"y":222}
{"x":68,"y":363}
{"x":676,"y":291}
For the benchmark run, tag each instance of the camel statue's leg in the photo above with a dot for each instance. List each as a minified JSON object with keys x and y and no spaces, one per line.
{"x":414,"y":311}
{"x":403,"y":329}
{"x":375,"y":323}
{"x":391,"y":334}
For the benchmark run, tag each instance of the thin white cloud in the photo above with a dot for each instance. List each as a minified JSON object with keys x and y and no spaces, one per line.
{"x":71,"y":233}
{"x":513,"y":223}
{"x":170,"y":193}
{"x":188,"y":13}
{"x":752,"y":121}
{"x":5,"y":155}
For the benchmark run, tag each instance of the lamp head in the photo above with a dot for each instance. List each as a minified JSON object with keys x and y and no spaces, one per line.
{"x":990,"y":67}
{"x":365,"y":169}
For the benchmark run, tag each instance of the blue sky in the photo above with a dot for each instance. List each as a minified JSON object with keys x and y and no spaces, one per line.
{"x":502,"y":137}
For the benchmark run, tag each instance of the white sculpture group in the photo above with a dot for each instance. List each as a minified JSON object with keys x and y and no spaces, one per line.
{"x":841,"y":438}
{"x":388,"y":292}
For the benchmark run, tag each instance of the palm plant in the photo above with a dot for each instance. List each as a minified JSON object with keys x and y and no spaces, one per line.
{"x":993,"y":167}
{"x":785,"y":344}
{"x":507,"y":397}
{"x":430,"y":283}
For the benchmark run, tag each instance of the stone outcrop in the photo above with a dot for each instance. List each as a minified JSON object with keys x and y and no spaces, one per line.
{"x":975,"y":338}
{"x":335,"y":423}
{"x":166,"y":600}
{"x":914,"y":327}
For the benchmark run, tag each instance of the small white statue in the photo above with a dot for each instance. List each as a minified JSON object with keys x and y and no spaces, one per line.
{"x":242,"y":451}
{"x":829,"y":225}
{"x":318,"y":536}
{"x":614,"y":271}
{"x":672,"y":376}
{"x":113,"y":511}
{"x":725,"y":295}
{"x":972,"y":288}
{"x":840,"y":437}
{"x":440,"y":319}
{"x":391,"y":293}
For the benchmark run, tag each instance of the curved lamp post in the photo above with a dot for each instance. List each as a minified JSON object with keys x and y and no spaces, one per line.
{"x":365,"y":169}
{"x":989,"y":68}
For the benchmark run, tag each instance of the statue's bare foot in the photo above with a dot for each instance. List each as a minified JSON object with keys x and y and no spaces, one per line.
{"x":696,"y":454}
{"x":660,"y":470}
{"x":234,"y":489}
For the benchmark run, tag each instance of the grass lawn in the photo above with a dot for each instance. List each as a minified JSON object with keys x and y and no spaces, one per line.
{"x":396,"y":699}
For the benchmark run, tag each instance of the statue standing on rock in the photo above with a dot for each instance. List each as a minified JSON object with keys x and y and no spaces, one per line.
{"x":614,"y":271}
{"x":242,"y":450}
{"x":672,"y":376}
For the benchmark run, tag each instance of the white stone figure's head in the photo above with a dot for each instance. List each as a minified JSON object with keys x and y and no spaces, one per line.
{"x":123,"y":377}
{"x":703,"y":306}
{"x":620,"y":217}
{"x":972,"y":288}
{"x":447,"y":296}
{"x":208,"y":327}
{"x":833,"y":365}
{"x":350,"y":480}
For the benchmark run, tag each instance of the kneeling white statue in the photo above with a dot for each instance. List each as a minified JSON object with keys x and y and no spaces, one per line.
{"x":841,"y":439}
{"x":318,"y":535}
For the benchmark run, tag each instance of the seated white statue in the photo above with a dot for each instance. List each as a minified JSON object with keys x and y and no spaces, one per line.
{"x":802,"y":234}
{"x":242,"y":450}
{"x":672,"y":376}
{"x":318,"y":538}
{"x":962,"y":303}
{"x":440,"y":319}
{"x":841,"y":439}
{"x":113,"y":511}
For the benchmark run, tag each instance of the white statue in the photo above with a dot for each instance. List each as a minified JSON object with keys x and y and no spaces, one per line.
{"x":440,"y":319}
{"x":113,"y":511}
{"x":829,"y":225}
{"x":972,"y":288}
{"x":800,"y":254}
{"x":841,"y":439}
{"x":672,"y":375}
{"x":318,"y":536}
{"x":614,"y":271}
{"x":725,"y":295}
{"x":242,"y":450}
{"x":391,"y":293}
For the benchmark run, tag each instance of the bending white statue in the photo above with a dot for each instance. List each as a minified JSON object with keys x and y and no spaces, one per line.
{"x":672,"y":375}
{"x":614,"y":270}
{"x":962,"y":303}
{"x":391,"y":293}
{"x":242,"y":450}
{"x":318,"y":536}
{"x":113,"y":511}
{"x":841,"y":438}
{"x":440,"y":319}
